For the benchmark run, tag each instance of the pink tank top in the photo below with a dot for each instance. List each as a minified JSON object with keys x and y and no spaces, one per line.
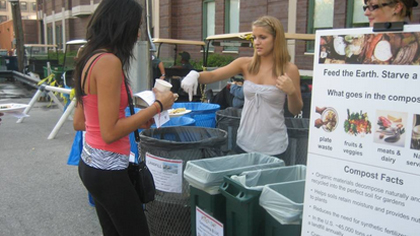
{"x":93,"y":133}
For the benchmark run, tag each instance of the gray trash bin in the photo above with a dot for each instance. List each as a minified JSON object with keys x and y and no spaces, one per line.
{"x":169,"y":213}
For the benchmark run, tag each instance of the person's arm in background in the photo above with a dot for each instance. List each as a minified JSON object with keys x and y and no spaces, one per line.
{"x":162,"y":70}
{"x":236,"y":90}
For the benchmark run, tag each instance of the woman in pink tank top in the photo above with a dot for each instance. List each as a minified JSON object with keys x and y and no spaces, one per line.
{"x":100,"y":84}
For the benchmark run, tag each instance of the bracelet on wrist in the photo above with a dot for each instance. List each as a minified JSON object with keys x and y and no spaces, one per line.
{"x":160,"y":104}
{"x":157,"y":108}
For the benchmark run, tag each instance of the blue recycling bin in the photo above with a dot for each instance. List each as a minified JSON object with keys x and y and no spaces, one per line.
{"x":204,"y":114}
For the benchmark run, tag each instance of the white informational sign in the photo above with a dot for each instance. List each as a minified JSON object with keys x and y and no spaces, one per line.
{"x":206,"y":225}
{"x":363,"y":169}
{"x":167,"y":173}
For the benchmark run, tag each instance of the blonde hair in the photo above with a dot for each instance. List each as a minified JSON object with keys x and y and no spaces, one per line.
{"x":280,"y":54}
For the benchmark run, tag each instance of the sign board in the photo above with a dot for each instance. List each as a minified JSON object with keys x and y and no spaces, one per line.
{"x":167,"y":173}
{"x":206,"y":225}
{"x":363,"y":169}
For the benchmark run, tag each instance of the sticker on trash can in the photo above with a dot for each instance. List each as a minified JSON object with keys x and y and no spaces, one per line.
{"x":206,"y":224}
{"x":167,"y":173}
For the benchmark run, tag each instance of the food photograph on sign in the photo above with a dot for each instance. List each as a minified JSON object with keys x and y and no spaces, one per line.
{"x":328,"y":118}
{"x":357,"y":123}
{"x":415,"y":134}
{"x":390,"y":128}
{"x":383,"y":49}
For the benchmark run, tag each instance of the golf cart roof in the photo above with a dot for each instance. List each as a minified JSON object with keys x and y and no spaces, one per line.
{"x":76,"y":42}
{"x":178,"y":41}
{"x":41,"y":45}
{"x":243,"y":36}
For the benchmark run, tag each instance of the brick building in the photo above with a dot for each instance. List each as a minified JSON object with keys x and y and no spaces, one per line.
{"x":64,"y":20}
{"x":29,"y":24}
{"x":196,"y":19}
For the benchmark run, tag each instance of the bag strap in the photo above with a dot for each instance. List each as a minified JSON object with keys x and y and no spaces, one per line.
{"x":87,"y":71}
{"x":131,"y":106}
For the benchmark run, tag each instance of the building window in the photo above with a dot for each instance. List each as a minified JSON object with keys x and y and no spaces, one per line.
{"x":209,"y":13}
{"x":3,"y":18}
{"x":231,"y":20}
{"x":320,"y":16}
{"x":232,"y":16}
{"x":355,"y":15}
{"x":2,"y":5}
{"x":49,"y":35}
{"x":23,"y":6}
{"x":33,"y":6}
{"x":58,"y":36}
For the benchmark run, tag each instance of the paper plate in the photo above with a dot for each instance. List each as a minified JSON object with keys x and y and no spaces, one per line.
{"x":12,"y":107}
{"x":172,"y":114}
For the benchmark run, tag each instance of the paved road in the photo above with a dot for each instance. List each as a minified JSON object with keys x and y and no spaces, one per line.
{"x":39,"y":193}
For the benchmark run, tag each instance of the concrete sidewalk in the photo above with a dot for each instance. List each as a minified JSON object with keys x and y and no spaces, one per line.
{"x":40,"y":193}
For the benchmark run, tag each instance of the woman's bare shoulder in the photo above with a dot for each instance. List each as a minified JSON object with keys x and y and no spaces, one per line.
{"x":243,"y":62}
{"x":109,"y":61}
{"x":291,"y":67}
{"x":244,"y":59}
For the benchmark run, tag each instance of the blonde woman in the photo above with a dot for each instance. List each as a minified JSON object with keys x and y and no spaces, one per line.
{"x":269,"y":77}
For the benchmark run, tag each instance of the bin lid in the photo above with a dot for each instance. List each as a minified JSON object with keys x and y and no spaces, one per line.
{"x":182,"y":138}
{"x":207,"y":174}
{"x":197,"y":107}
{"x":257,"y":179}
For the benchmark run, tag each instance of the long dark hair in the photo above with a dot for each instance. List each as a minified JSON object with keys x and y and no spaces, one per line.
{"x":114,"y":27}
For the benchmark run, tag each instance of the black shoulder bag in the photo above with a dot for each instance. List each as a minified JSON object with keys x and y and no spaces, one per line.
{"x":139,"y":174}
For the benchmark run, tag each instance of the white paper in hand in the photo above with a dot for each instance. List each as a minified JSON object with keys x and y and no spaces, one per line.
{"x":148,"y":97}
{"x":190,"y":83}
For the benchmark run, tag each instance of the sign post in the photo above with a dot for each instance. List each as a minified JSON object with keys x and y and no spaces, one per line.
{"x":363,"y":168}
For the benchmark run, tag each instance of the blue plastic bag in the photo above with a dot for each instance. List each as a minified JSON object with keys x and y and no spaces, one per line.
{"x":76,"y":149}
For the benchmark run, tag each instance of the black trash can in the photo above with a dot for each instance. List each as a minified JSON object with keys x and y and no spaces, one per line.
{"x":298,"y":132}
{"x":11,"y":63}
{"x":167,"y":150}
{"x":228,"y":120}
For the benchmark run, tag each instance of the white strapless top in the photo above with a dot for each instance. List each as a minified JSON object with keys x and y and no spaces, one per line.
{"x":262,"y":128}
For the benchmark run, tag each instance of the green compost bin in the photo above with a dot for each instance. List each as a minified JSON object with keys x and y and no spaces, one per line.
{"x":244,"y":215}
{"x":283,"y":204}
{"x":205,"y":177}
{"x":56,"y":70}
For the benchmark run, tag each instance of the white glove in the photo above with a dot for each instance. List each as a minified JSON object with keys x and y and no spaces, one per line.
{"x":190,"y":83}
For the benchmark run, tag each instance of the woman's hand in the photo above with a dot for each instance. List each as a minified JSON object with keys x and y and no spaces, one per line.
{"x":285,"y":83}
{"x":148,"y":124}
{"x":190,"y":83}
{"x":167,"y":98}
